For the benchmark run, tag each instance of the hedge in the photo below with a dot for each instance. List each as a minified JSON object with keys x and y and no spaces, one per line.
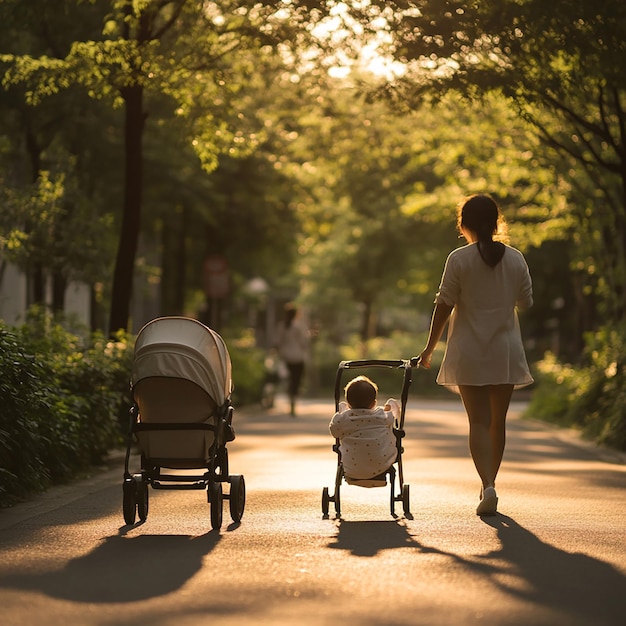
{"x":63,"y":398}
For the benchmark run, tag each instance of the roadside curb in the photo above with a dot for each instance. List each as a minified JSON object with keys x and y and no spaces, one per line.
{"x":60,"y":495}
{"x":574,"y":437}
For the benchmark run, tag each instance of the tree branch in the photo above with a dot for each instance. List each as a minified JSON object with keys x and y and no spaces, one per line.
{"x":169,"y":23}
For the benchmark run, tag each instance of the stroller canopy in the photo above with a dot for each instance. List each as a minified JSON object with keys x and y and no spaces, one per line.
{"x":181,"y":347}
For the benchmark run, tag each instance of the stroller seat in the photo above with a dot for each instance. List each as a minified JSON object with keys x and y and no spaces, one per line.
{"x":162,"y":400}
{"x":375,"y":481}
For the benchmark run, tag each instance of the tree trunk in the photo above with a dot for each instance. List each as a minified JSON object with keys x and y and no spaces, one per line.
{"x":37,"y":292}
{"x":368,"y":324}
{"x":181,"y":261}
{"x":131,"y":218}
{"x":174,"y":262}
{"x":59,"y":285}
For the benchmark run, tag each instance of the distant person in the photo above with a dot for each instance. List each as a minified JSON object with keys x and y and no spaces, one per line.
{"x":292,"y":345}
{"x":365,"y":431}
{"x":483,"y":285}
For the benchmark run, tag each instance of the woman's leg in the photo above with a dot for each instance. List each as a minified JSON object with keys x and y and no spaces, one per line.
{"x":500,"y":399}
{"x":486,"y":409}
{"x":476,"y":401}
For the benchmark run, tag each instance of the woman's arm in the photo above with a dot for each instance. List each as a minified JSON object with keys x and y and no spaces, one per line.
{"x":525,"y":296}
{"x":440,"y":317}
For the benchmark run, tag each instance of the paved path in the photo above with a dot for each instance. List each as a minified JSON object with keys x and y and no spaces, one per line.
{"x":555,"y":555}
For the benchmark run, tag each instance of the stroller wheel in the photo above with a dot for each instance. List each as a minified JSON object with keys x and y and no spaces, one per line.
{"x":325,"y":502}
{"x":216,"y":500}
{"x":129,"y":501}
{"x":237,"y":498}
{"x":406,"y":505}
{"x":142,"y":497}
{"x":337,"y":503}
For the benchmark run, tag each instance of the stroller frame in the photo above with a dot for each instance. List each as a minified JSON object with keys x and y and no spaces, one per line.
{"x":403,"y":493}
{"x":210,"y":470}
{"x":135,"y":485}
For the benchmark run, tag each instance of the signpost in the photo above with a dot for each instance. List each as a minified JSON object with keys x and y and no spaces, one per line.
{"x":216,"y":278}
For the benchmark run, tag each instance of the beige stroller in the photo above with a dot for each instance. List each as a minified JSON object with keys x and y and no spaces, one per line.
{"x":181,"y":419}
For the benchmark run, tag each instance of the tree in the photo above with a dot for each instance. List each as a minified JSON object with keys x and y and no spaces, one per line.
{"x":246,"y":209}
{"x":384,"y":189}
{"x":562,"y":64}
{"x":51,"y":217}
{"x":352,"y":171}
{"x":197,"y":54}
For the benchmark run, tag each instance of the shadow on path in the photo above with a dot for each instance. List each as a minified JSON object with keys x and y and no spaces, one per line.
{"x":123,"y":569}
{"x":574,"y":588}
{"x":589,"y":590}
{"x":368,"y":538}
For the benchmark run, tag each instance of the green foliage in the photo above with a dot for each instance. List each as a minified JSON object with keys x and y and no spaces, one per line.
{"x":592,"y":397}
{"x":27,"y":410}
{"x":207,"y":61}
{"x":383,"y":193}
{"x":247,"y":365}
{"x":49,"y":223}
{"x":61,"y":396}
{"x":600,"y":407}
{"x":562,"y":65}
{"x":397,"y":345}
{"x":557,"y":387}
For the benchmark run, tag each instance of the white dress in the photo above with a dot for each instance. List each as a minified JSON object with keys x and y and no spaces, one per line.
{"x":484,"y":345}
{"x":292,"y":343}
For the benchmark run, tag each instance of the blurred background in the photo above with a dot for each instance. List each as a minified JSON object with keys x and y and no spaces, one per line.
{"x":219,"y":160}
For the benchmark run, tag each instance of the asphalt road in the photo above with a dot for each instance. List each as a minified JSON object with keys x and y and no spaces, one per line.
{"x":554,"y":555}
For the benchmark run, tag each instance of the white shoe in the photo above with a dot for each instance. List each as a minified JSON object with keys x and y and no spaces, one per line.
{"x":489,"y":503}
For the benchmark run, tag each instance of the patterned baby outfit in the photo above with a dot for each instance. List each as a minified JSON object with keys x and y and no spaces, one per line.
{"x":367,"y":442}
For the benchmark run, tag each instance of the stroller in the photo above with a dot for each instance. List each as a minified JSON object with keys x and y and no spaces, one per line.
{"x":271,"y":380}
{"x":181,"y":418}
{"x":380,"y":480}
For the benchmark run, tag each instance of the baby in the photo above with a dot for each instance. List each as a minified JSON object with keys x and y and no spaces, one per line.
{"x":367,"y":441}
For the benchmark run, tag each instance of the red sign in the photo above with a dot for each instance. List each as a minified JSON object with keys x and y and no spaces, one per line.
{"x":216,"y":276}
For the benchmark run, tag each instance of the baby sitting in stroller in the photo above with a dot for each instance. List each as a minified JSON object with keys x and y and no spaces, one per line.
{"x":368,"y":445}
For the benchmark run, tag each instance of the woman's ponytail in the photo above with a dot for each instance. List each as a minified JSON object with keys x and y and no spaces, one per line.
{"x":480,"y":215}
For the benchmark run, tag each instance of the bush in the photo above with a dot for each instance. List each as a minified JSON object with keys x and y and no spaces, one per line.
{"x":27,"y":400}
{"x":591,"y":398}
{"x":248,"y":369}
{"x":61,"y":395}
{"x":557,"y":387}
{"x":600,"y":408}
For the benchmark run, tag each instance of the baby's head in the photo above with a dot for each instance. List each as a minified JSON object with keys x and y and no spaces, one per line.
{"x":361,"y":393}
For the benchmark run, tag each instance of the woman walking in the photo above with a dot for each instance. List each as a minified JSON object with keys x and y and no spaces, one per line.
{"x":483,"y":285}
{"x":292,"y":346}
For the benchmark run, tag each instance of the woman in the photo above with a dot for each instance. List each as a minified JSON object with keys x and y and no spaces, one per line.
{"x":292,"y":345}
{"x":483,"y":284}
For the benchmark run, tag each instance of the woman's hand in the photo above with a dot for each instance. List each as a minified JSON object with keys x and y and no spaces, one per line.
{"x":423,"y":360}
{"x":441,"y":314}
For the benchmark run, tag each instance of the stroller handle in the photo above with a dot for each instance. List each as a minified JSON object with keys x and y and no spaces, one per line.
{"x":400,"y":364}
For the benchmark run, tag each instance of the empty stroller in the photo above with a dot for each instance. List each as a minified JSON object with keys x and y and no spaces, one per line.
{"x":181,"y":418}
{"x":380,"y":480}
